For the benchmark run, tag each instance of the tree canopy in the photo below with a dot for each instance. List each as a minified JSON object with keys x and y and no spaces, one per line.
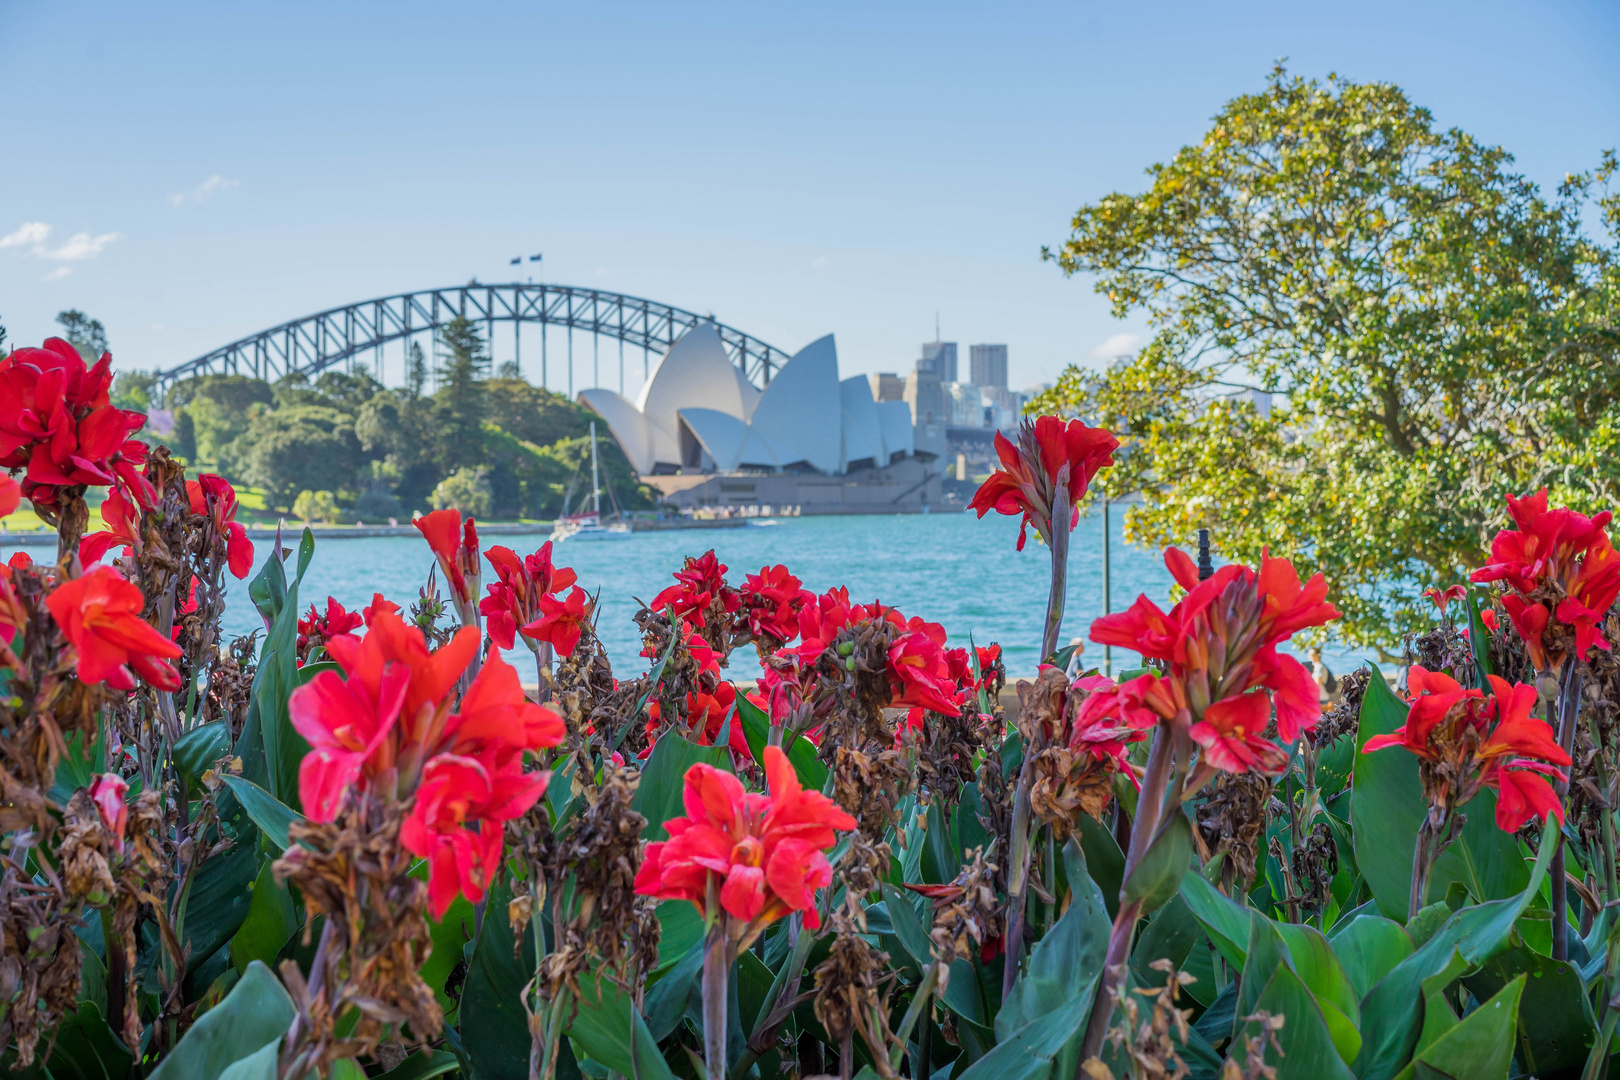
{"x":1366,"y":330}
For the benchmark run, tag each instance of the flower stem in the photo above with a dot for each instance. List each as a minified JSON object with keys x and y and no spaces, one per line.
{"x":1061,"y":511}
{"x":919,"y":1004}
{"x":1569,"y":695}
{"x":1018,"y":880}
{"x":716,"y":969}
{"x":1149,"y":810}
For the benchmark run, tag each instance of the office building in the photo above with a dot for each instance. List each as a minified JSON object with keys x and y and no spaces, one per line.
{"x":939,"y":358}
{"x":987,"y":366}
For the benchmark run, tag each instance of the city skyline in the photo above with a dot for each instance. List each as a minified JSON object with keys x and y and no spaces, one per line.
{"x":207,"y":173}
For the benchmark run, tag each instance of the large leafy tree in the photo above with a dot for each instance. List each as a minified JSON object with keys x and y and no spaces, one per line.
{"x":461,"y":400}
{"x":1366,"y":330}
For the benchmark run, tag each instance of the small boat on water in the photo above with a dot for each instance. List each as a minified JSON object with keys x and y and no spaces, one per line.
{"x":589,"y":526}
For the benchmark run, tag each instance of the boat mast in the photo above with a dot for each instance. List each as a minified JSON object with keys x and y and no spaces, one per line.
{"x":596,"y":488}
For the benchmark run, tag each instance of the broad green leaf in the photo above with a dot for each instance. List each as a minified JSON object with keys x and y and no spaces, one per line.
{"x":256,"y":1012}
{"x":281,"y":748}
{"x":450,"y":936}
{"x":1479,"y":1047}
{"x":1104,"y":861}
{"x":801,"y":752}
{"x":1027,"y":1053}
{"x":79,"y":766}
{"x":665,"y":1001}
{"x":1170,"y":935}
{"x":494,"y":1027}
{"x":645,"y":1060}
{"x":198,"y":749}
{"x":271,"y":921}
{"x":940,"y":859}
{"x":262,"y":1064}
{"x":309,"y":671}
{"x":1556,"y":1023}
{"x":1322,"y":974}
{"x":271,"y":816}
{"x":86,"y":1048}
{"x":1063,"y":964}
{"x":909,"y":928}
{"x":1390,"y":1022}
{"x":1157,"y":877}
{"x":1479,"y":640}
{"x":680,"y":927}
{"x":423,"y":1065}
{"x":1227,"y":922}
{"x":1308,"y":1050}
{"x":659,"y":794}
{"x":1369,"y":947}
{"x":601,"y":1028}
{"x":221,"y":896}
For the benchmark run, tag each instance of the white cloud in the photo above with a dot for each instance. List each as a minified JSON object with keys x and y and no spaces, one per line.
{"x":203,"y":191}
{"x":58,"y":274}
{"x":819,"y":261}
{"x":1119,"y":345}
{"x":28,"y":234}
{"x":79,"y":246}
{"x":76,"y":248}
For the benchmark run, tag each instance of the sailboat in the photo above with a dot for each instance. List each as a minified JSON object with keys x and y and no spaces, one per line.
{"x":589,"y":526}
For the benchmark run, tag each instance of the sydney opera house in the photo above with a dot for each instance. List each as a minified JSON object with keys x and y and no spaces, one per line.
{"x":705,"y":436}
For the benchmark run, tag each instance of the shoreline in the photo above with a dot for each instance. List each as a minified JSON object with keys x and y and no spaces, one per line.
{"x":47,"y":538}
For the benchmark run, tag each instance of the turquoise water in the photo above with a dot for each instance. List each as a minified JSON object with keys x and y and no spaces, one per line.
{"x":949,"y":568}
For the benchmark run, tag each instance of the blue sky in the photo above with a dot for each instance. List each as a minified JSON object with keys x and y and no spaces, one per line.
{"x":208,"y":170}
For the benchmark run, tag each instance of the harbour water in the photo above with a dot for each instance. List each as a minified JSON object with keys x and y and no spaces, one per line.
{"x":949,"y":568}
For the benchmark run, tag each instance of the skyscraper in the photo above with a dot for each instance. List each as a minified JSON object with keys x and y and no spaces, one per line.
{"x":939,"y":359}
{"x":987,"y":365}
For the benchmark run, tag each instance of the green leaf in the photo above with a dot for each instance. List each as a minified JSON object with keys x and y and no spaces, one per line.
{"x":1369,"y":947}
{"x":1308,"y":1050}
{"x":494,"y":1027}
{"x":601,"y":1027}
{"x":1027,"y":1054}
{"x":1479,"y":640}
{"x":659,"y":794}
{"x":1170,"y":935}
{"x":271,"y":816}
{"x":1227,"y":922}
{"x":1556,"y":1025}
{"x":1063,"y":965}
{"x":80,"y":764}
{"x":1157,"y":877}
{"x":1104,"y":861}
{"x":908,"y":928}
{"x":1390,"y":1020}
{"x":666,"y":999}
{"x":680,"y":927}
{"x":450,"y":936}
{"x":309,"y":671}
{"x":1317,"y":967}
{"x":198,"y":749}
{"x":645,"y":1060}
{"x":801,"y":752}
{"x":221,"y":896}
{"x":1479,"y":1047}
{"x":255,"y":1012}
{"x":271,"y":921}
{"x":423,"y":1065}
{"x":86,"y":1048}
{"x":259,"y":1065}
{"x":282,"y":747}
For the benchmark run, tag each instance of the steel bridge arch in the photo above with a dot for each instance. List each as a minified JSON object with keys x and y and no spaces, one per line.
{"x":316,"y":342}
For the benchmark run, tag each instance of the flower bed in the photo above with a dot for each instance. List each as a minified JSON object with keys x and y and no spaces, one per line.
{"x":353,"y":845}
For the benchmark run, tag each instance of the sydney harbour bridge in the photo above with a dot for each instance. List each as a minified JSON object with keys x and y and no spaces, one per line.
{"x":355,"y":336}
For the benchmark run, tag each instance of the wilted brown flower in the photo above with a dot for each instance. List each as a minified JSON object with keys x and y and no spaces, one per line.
{"x":1254,"y":1065}
{"x":355,"y":871}
{"x":848,"y":996}
{"x":1314,"y":863}
{"x":966,"y":912}
{"x":1232,"y":818}
{"x":1148,"y":1046}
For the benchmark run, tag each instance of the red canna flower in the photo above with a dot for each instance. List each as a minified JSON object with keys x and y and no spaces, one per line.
{"x":919,"y":673}
{"x":700,"y":590}
{"x":212,"y":496}
{"x":455,"y":822}
{"x":100,"y":613}
{"x":456,"y":548}
{"x":1442,"y":600}
{"x":123,"y":518}
{"x":772,"y":600}
{"x":107,"y":791}
{"x":1050,"y":455}
{"x":57,"y":423}
{"x":514,"y":601}
{"x":315,"y":629}
{"x":1219,"y":644}
{"x":1469,"y":740}
{"x":707,"y":714}
{"x":560,"y":621}
{"x":10,"y":495}
{"x":379,"y":605}
{"x":1563,"y":573}
{"x":1109,"y":718}
{"x":768,"y":850}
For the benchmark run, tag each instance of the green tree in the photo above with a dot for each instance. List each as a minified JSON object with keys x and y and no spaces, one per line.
{"x":220,"y":408}
{"x":83,"y":333}
{"x":1366,"y":331}
{"x":533,"y":413}
{"x":416,"y":371}
{"x":461,"y":401}
{"x":303,"y":447}
{"x":466,"y":490}
{"x":134,"y":390}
